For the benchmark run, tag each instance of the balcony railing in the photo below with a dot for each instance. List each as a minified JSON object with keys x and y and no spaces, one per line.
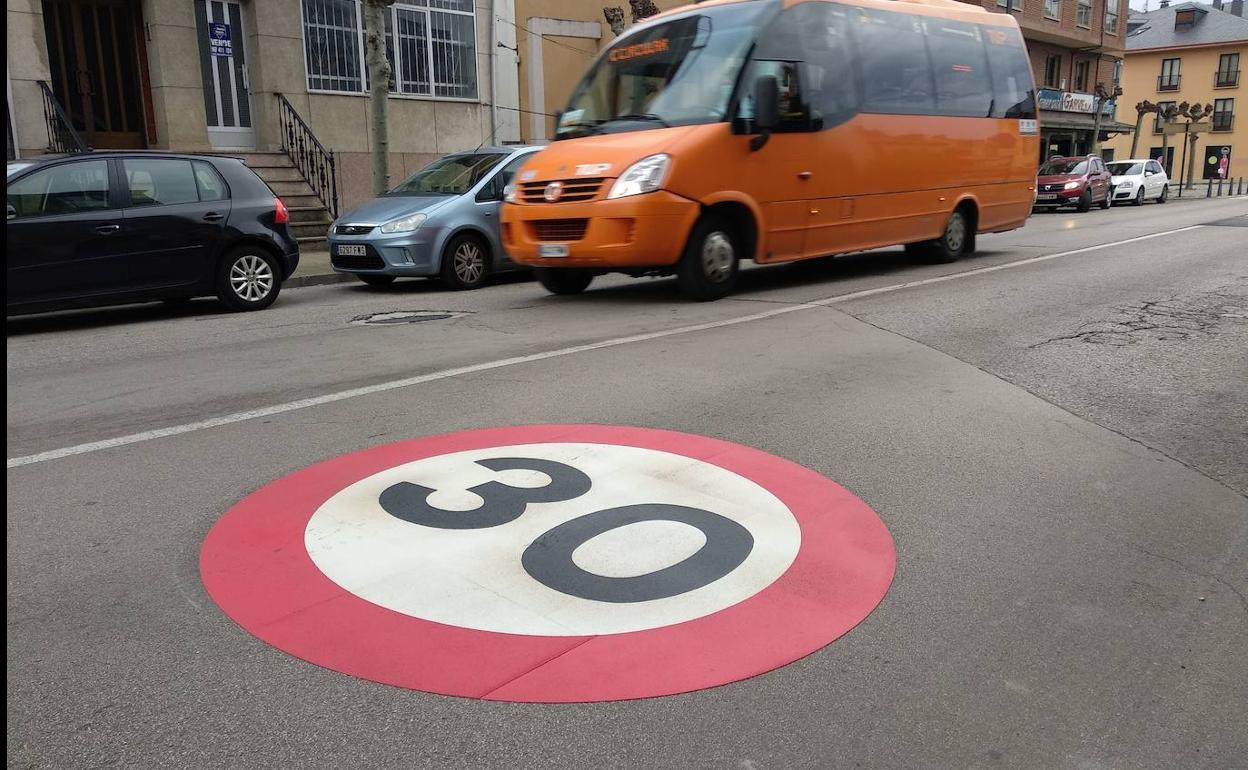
{"x":1223,"y":121}
{"x":1168,"y":83}
{"x":1226,"y":79}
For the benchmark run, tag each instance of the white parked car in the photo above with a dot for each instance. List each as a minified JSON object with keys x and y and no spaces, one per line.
{"x":1138,"y":180}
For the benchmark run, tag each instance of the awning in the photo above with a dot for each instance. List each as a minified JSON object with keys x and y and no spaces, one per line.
{"x":1081,"y":122}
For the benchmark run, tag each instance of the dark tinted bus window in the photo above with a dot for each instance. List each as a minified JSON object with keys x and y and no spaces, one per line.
{"x":959,"y":67}
{"x":829,"y":63}
{"x":1013,"y":94}
{"x":892,"y":59}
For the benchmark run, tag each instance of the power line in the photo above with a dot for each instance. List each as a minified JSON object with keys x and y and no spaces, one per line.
{"x":581,"y":51}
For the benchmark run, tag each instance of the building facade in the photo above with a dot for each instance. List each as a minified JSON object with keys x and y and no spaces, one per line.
{"x":205,"y":75}
{"x":1189,"y":53}
{"x":1075,"y":45}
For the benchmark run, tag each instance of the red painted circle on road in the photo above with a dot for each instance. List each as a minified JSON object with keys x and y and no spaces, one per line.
{"x":292,"y":564}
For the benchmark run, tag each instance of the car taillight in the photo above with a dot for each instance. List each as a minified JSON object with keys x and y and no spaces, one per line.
{"x":282,"y":216}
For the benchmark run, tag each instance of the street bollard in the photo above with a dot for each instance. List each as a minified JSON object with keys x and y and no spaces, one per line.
{"x":1241,"y":185}
{"x":1209,"y":190}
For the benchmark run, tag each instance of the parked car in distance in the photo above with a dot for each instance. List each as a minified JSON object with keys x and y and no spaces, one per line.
{"x":440,"y":222}
{"x":111,"y":228}
{"x":1078,"y":182}
{"x":1139,"y":180}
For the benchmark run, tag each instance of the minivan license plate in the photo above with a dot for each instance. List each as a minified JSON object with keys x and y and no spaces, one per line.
{"x":352,"y":251}
{"x":552,"y":250}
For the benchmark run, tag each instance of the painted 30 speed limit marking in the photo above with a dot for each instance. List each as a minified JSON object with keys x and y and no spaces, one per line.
{"x":551,"y":563}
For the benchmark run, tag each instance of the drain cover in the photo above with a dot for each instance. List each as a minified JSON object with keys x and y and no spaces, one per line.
{"x":391,"y":317}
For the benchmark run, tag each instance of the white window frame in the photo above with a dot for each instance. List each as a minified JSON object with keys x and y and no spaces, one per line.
{"x":1112,"y":10}
{"x":1083,"y":14}
{"x":1056,"y":15}
{"x":397,"y":93}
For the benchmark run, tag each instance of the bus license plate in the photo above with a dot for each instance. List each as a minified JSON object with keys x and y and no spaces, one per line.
{"x":352,"y":251}
{"x":552,"y":250}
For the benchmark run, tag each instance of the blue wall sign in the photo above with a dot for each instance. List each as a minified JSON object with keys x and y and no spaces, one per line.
{"x":219,"y":39}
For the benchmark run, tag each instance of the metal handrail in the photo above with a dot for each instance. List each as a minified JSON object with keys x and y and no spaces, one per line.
{"x":317,"y":164}
{"x":1226,"y":79}
{"x":1223,"y":121}
{"x":62,"y":137}
{"x":1169,"y":83}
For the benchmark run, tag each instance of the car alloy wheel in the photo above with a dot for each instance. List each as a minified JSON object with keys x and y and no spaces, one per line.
{"x":469,"y":263}
{"x":251,"y":278}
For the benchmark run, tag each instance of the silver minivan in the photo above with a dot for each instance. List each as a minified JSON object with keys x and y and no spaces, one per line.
{"x":440,"y":222}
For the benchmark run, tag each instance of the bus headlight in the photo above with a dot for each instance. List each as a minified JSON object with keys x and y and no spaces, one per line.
{"x":644,"y":176}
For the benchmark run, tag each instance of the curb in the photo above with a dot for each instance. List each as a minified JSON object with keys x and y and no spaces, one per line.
{"x":320,"y":279}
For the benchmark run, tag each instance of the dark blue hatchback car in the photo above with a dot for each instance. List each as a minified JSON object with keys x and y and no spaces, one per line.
{"x":111,"y":228}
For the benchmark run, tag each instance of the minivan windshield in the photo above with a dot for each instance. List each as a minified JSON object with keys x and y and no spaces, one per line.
{"x":452,"y":175}
{"x":677,"y":72}
{"x":1070,"y":166}
{"x":1125,"y":168}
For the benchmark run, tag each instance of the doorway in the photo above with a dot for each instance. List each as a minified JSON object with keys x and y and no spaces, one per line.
{"x":223,"y":65}
{"x":93,"y":57}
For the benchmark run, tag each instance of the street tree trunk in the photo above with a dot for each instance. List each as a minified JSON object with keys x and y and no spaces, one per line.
{"x":379,"y":89}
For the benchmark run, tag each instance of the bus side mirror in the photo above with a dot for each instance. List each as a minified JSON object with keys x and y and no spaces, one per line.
{"x":766,"y":110}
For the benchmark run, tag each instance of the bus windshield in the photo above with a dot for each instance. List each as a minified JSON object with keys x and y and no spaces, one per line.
{"x":677,"y":72}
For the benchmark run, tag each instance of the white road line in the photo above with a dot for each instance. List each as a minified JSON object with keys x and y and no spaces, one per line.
{"x":383,"y":387}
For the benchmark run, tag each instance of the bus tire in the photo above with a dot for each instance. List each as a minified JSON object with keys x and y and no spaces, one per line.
{"x":955,"y":241}
{"x":708,"y":269}
{"x":563,"y":280}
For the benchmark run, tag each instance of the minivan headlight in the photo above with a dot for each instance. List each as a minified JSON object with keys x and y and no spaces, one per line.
{"x":1071,"y":185}
{"x":644,"y":176}
{"x":404,"y":225}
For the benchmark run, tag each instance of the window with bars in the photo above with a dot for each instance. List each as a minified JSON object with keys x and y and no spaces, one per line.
{"x":1083,"y":13}
{"x":431,"y":45}
{"x":1053,"y":9}
{"x":1171,"y":73}
{"x":1228,"y":70}
{"x":1223,"y":114}
{"x":1111,"y":16}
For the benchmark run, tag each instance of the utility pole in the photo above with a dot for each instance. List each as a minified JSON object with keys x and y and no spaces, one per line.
{"x":379,"y":89}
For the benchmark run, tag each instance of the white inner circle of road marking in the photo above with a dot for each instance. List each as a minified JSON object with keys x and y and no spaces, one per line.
{"x":473,"y":578}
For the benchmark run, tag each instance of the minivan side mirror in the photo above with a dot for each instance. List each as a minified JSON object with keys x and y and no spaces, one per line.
{"x":766,"y":109}
{"x":12,"y":212}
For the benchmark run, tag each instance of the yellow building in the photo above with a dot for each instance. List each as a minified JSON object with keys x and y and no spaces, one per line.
{"x":1188,"y":53}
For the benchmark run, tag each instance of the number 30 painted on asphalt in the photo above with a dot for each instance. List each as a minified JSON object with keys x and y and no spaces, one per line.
{"x":548,"y":559}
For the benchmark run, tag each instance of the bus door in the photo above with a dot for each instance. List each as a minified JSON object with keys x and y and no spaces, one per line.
{"x":780,"y":174}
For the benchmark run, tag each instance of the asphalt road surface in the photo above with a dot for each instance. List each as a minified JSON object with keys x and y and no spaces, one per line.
{"x":1054,"y":431}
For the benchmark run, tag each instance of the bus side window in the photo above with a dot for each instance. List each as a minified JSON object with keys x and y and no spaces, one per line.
{"x":1013,"y":94}
{"x":829,"y":71}
{"x":893,"y":67}
{"x":960,"y":68}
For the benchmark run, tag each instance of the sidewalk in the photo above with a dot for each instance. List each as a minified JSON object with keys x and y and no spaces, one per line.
{"x":314,"y":270}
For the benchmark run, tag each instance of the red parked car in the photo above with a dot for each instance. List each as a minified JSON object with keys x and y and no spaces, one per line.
{"x":1078,"y":182}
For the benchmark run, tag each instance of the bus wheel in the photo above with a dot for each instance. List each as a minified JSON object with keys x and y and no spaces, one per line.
{"x":955,"y":242}
{"x":564,"y":280}
{"x":708,"y":269}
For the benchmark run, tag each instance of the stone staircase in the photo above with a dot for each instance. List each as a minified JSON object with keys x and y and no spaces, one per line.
{"x":309,"y":218}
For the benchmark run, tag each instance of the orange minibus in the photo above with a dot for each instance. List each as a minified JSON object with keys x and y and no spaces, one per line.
{"x":779,"y":130}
